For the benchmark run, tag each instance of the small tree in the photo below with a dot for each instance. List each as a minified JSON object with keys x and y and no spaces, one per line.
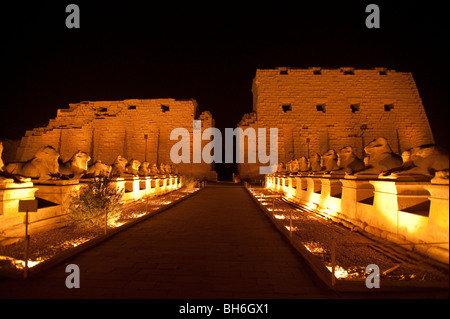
{"x":88,"y":206}
{"x":190,"y":182}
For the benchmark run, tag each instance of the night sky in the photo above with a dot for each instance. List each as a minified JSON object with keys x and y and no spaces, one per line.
{"x":208,"y":52}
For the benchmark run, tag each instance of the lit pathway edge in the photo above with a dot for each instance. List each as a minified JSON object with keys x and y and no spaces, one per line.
{"x":99,"y":239}
{"x":340,"y":285}
{"x":318,"y":267}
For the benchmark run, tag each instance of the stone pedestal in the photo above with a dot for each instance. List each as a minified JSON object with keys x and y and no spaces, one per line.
{"x":289,"y":190}
{"x":330,"y":194}
{"x":354,"y":193}
{"x":313,"y":190}
{"x":276,"y":183}
{"x":58,"y":191}
{"x":438,"y":219}
{"x":132,"y":185}
{"x":145,"y":185}
{"x":301,"y":186}
{"x":268,"y":182}
{"x":390,"y":197}
{"x":156,"y":185}
{"x":11,"y":193}
{"x":285,"y":184}
{"x":171,"y":183}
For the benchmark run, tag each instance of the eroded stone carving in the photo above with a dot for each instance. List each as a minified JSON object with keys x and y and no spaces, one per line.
{"x":118,"y":167}
{"x":44,"y":165}
{"x":426,"y":160}
{"x":162,"y":169}
{"x":293,"y":166}
{"x":348,"y":162}
{"x":132,"y":167}
{"x":154,"y":170}
{"x":303,"y":164}
{"x":314,"y":161}
{"x":281,"y":169}
{"x":144,"y":169}
{"x":329,"y":161}
{"x":76,"y":166}
{"x":380,"y":157}
{"x":98,"y":169}
{"x":3,"y":173}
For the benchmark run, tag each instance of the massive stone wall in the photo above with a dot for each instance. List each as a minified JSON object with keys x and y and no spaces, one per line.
{"x":318,"y":109}
{"x":106,"y":129}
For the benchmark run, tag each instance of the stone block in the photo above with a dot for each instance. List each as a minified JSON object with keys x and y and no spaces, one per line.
{"x":10,"y":195}
{"x":58,"y":193}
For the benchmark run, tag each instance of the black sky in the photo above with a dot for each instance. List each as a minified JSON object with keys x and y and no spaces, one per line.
{"x":208,"y":52}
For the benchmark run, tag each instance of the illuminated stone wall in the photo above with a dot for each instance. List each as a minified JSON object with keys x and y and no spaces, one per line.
{"x":333,"y":108}
{"x":106,"y":129}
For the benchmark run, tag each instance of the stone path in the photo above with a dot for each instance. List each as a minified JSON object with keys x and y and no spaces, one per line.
{"x":217,"y":244}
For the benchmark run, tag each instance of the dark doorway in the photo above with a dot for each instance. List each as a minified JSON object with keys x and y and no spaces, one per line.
{"x":225,"y":171}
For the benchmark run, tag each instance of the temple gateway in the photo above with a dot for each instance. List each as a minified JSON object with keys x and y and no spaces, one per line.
{"x":353,"y":143}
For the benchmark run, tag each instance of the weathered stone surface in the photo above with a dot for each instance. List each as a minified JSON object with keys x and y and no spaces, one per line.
{"x":134,"y":128}
{"x":76,"y":166}
{"x":424,"y":160}
{"x":318,"y":109}
{"x":380,"y":157}
{"x":44,"y":165}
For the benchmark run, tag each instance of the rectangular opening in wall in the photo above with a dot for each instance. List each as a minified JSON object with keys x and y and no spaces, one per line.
{"x":348,"y":71}
{"x":132,"y":107}
{"x":382,"y":72}
{"x":367,"y":201}
{"x":286,"y":107}
{"x":422,"y":209}
{"x":388,"y":107}
{"x":317,"y":72}
{"x":283,"y":70}
{"x":354,"y":107}
{"x":165,"y":108}
{"x":321,"y":108}
{"x":102,"y":109}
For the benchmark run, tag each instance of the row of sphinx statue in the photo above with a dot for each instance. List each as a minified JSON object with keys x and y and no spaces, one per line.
{"x":46,"y":164}
{"x":424,"y":160}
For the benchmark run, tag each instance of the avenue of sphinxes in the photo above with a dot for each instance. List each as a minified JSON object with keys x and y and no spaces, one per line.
{"x":317,"y":109}
{"x":354,"y":143}
{"x":135,"y":129}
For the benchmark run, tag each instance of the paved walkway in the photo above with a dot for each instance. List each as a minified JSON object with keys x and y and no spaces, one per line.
{"x":217,"y":244}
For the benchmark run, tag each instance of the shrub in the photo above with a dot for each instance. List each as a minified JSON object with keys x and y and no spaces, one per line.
{"x":87,"y":207}
{"x":190,"y":182}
